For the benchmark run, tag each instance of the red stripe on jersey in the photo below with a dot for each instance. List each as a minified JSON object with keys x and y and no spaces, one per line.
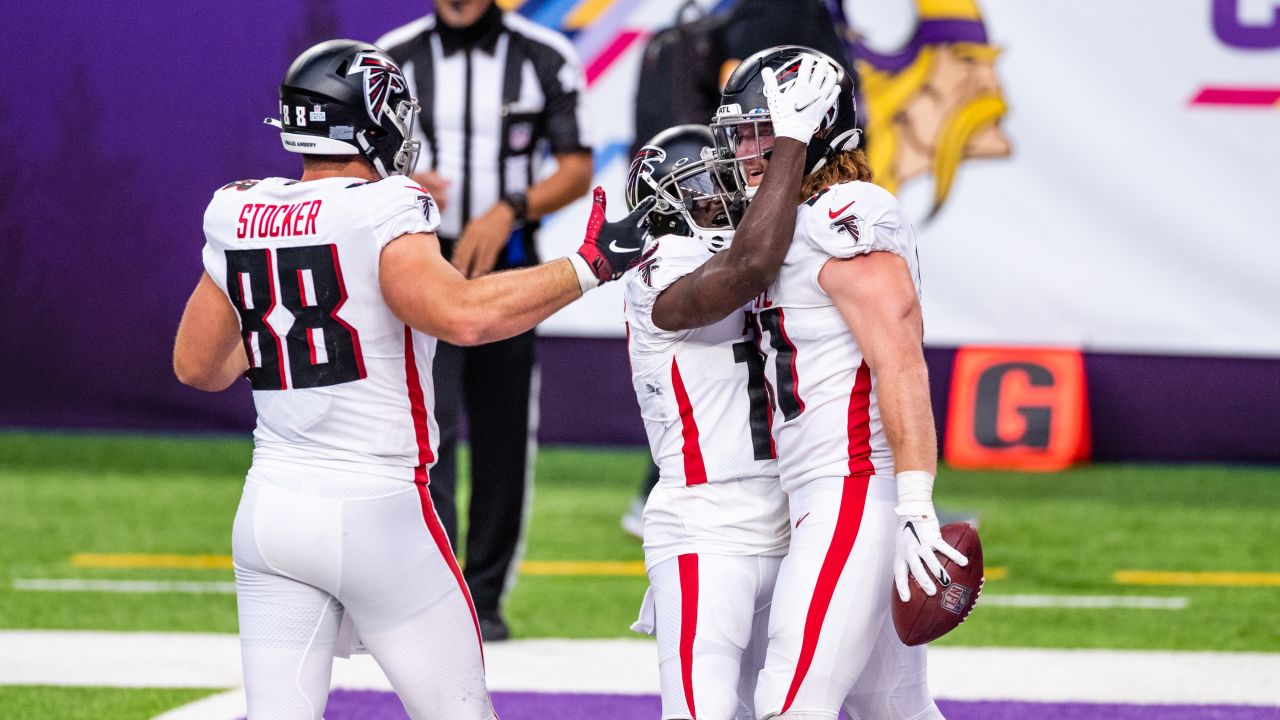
{"x":688,"y":623}
{"x":417,"y":403}
{"x":302,"y":289}
{"x":695,"y":471}
{"x":342,"y":288}
{"x":853,"y":498}
{"x":446,"y":550}
{"x":271,"y":284}
{"x":860,"y":424}
{"x":311,"y":344}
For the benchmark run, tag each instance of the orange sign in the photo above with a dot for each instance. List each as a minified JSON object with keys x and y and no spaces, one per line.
{"x":1017,"y":409}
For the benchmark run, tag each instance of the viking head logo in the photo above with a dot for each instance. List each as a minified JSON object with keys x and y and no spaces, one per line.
{"x":381,"y":79}
{"x":936,"y":101}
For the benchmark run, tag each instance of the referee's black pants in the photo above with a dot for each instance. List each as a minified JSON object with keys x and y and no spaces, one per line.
{"x":492,"y":383}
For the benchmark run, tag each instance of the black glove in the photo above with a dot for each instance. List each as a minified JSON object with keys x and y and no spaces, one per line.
{"x":611,"y":247}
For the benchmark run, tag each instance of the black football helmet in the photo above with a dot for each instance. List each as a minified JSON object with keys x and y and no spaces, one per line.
{"x":744,"y":111}
{"x":344,"y":97}
{"x":694,"y":196}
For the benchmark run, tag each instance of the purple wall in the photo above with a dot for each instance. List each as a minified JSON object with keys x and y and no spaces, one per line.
{"x":120,"y":125}
{"x":1143,"y":407}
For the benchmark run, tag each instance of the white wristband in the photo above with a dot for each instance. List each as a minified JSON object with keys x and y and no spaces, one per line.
{"x":915,"y":492}
{"x":587,"y":279}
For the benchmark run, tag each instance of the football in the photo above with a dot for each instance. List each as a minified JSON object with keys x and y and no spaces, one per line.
{"x":923,"y":618}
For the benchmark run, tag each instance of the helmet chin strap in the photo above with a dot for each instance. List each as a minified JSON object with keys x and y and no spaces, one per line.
{"x":371,"y":155}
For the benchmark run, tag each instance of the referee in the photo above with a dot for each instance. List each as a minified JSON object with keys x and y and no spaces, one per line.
{"x":498,"y":93}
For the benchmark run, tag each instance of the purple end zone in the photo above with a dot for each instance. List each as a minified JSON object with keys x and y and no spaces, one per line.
{"x":374,"y":705}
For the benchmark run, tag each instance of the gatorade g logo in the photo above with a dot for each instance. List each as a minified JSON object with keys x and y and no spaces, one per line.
{"x":1032,"y":427}
{"x":1018,"y":409}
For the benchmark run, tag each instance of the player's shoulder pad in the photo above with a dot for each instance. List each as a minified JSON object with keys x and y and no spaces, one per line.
{"x":395,"y":193}
{"x":239,"y":185}
{"x":850,"y":218}
{"x":668,"y":259}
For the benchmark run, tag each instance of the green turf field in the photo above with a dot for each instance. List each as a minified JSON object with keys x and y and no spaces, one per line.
{"x":1058,"y":534}
{"x":45,"y":702}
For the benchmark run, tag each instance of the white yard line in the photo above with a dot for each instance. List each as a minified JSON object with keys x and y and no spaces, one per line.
{"x":1085,"y":602}
{"x":123,"y":586}
{"x":629,"y":666}
{"x":1078,"y":602}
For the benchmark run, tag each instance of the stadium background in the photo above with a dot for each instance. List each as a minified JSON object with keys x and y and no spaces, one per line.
{"x":1133,"y":218}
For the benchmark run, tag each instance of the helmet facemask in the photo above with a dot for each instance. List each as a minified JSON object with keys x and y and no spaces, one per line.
{"x":744,"y":143}
{"x":701,"y":196}
{"x":398,"y":142}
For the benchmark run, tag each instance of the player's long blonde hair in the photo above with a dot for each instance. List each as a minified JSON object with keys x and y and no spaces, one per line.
{"x":844,"y":167}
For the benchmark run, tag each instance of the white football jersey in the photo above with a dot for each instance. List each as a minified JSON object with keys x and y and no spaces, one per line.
{"x":697,"y":388}
{"x":337,"y":377}
{"x":827,"y":423}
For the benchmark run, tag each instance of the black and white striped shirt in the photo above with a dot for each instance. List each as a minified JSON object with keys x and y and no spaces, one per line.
{"x":496,"y":98}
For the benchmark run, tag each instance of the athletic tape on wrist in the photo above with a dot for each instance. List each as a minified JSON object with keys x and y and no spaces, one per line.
{"x":915,"y":492}
{"x":587,"y":279}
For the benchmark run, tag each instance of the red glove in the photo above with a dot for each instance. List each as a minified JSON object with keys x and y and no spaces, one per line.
{"x":611,"y":247}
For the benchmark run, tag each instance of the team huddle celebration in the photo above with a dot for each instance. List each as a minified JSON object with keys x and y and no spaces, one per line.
{"x":772,"y":300}
{"x":641,"y":360}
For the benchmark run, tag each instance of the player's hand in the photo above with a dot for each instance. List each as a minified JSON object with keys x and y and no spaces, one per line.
{"x":919,"y":538}
{"x":482,"y":240}
{"x":798,"y":108}
{"x":611,"y":247}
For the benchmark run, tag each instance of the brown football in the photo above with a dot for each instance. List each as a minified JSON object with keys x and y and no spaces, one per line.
{"x":923,"y":618}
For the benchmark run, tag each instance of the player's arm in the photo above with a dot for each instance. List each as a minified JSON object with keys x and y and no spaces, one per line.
{"x":208,"y":354}
{"x":875,"y":294}
{"x":432,"y":296}
{"x":877,"y":298}
{"x":732,"y":278}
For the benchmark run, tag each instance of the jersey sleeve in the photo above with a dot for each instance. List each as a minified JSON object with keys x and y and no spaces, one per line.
{"x":213,"y":255}
{"x":671,"y":259}
{"x":856,"y":218}
{"x":400,"y":206}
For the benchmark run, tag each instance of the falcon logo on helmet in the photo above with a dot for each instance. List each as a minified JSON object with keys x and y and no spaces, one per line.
{"x":381,"y":79}
{"x":643,"y":166}
{"x":344,"y":97}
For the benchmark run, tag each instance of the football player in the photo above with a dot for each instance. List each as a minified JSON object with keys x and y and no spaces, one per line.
{"x":716,"y":524}
{"x":842,"y":334}
{"x":328,"y":293}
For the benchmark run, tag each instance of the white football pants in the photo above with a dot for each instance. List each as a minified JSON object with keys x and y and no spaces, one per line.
{"x":711,"y":615}
{"x":831,"y":636}
{"x":309,"y":549}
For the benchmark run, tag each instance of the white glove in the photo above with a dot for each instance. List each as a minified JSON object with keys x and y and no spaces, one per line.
{"x":919,"y":537}
{"x":798,"y":109}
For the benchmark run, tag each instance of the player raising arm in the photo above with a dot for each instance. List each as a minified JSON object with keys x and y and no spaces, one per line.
{"x":715,"y":526}
{"x":329,"y":294}
{"x":841,"y":331}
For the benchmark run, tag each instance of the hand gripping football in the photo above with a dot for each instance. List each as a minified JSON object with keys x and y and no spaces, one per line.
{"x":923,"y":618}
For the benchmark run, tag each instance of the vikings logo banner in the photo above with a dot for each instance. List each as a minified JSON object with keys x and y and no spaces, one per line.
{"x":935,"y":101}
